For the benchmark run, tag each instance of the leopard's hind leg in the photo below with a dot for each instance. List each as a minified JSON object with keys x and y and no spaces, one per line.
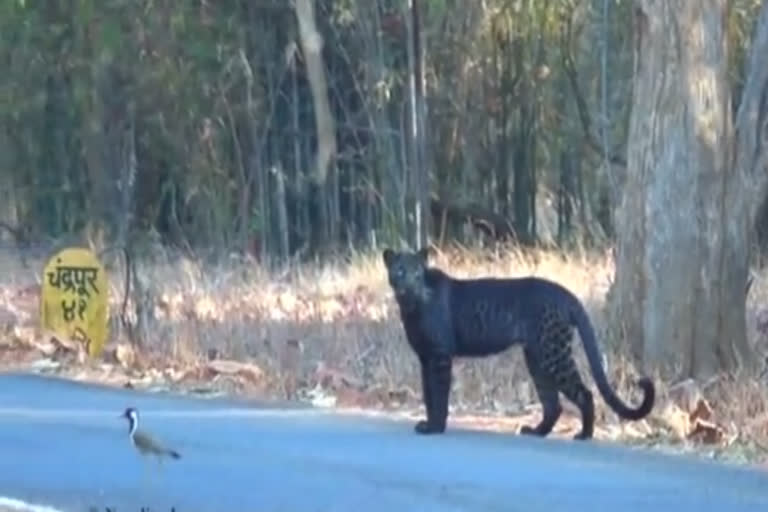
{"x":546,"y":390}
{"x":561,"y":366}
{"x":574,"y":390}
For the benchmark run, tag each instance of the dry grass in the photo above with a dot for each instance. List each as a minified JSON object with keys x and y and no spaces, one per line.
{"x":307,"y":325}
{"x":343,"y":315}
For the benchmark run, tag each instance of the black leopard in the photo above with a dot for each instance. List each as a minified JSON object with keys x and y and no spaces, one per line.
{"x":445,"y":317}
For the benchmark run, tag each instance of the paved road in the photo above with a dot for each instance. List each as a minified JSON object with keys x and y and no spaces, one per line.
{"x":62,"y":445}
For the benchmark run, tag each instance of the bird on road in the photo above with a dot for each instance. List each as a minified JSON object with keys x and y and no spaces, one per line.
{"x":144,"y":443}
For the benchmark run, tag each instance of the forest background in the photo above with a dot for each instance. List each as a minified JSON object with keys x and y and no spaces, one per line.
{"x":249,"y":159}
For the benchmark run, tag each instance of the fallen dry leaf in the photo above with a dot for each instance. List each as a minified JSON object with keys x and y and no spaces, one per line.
{"x":231,"y":383}
{"x":174,"y":374}
{"x":196,"y":373}
{"x":152,"y":374}
{"x":45,"y":346}
{"x":65,"y":343}
{"x":333,"y":379}
{"x":686,"y":395}
{"x":699,"y":425}
{"x":349,"y":397}
{"x":707,"y":432}
{"x":702,"y":411}
{"x":25,"y":336}
{"x":676,"y":419}
{"x":229,"y":367}
{"x":400,"y":396}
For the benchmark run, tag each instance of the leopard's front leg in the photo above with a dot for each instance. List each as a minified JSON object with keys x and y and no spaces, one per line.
{"x":426,"y":391}
{"x":436,"y":386}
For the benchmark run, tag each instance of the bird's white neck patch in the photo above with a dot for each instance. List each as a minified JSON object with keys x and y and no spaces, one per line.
{"x":133,"y":420}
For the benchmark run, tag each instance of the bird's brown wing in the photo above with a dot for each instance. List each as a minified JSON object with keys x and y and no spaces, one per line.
{"x":147,"y":443}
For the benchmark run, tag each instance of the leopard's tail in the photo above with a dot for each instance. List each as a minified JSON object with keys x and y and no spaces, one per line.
{"x":587,"y":333}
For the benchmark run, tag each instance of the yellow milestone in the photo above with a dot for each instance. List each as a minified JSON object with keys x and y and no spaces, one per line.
{"x":74,"y":301}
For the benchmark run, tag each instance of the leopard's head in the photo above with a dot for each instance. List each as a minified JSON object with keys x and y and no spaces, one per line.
{"x":406,"y":271}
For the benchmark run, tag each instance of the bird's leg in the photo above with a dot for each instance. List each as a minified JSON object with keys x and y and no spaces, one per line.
{"x":156,"y":472}
{"x":144,"y":474}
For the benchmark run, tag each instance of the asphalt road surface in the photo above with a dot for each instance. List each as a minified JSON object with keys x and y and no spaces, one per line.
{"x":63,"y":445}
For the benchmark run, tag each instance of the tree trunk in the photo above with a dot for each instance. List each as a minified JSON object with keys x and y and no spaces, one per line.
{"x":683,"y":237}
{"x":419,"y":166}
{"x":311,"y":47}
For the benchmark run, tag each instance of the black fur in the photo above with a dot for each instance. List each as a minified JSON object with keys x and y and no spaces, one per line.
{"x":445,"y":317}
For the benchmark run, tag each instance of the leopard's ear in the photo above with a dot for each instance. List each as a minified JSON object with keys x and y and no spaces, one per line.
{"x":387,"y":255}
